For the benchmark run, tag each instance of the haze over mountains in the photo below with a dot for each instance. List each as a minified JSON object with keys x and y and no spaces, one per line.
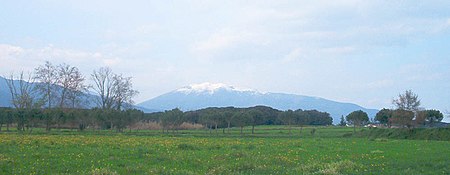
{"x":198,"y":96}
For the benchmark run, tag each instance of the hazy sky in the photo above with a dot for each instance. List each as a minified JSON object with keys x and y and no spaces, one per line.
{"x":364,"y":52}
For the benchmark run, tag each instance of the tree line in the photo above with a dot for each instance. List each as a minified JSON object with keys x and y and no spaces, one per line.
{"x":407,"y":113}
{"x":52,"y":94}
{"x":58,"y":118}
{"x":211,"y":118}
{"x":215,"y":118}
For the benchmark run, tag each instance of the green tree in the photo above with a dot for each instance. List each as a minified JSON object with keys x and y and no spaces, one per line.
{"x":60,"y":117}
{"x":319,"y":118}
{"x":383,"y":116}
{"x":206,"y":118}
{"x":20,"y":118}
{"x":228,"y":117}
{"x":9,"y":117}
{"x":288,"y":118}
{"x":402,"y":117}
{"x":357,"y":118}
{"x":215,"y":118}
{"x":257,"y":118}
{"x":34,"y":116}
{"x":241,"y":119}
{"x":49,"y":118}
{"x":302,"y":119}
{"x":133,"y":116}
{"x":430,"y":116}
{"x":2,"y":117}
{"x":174,"y":118}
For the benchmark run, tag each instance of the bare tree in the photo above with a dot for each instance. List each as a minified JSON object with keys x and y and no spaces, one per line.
{"x":21,"y":91}
{"x":23,"y":97}
{"x":114,"y":91}
{"x":123,"y":91}
{"x":407,"y":101}
{"x":104,"y":87}
{"x":72,"y":85}
{"x":47,"y":76}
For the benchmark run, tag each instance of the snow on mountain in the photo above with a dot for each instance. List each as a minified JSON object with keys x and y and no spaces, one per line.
{"x":211,"y":88}
{"x":199,"y":96}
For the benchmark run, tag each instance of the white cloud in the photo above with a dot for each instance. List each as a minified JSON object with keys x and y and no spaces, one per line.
{"x":9,"y":50}
{"x":219,"y":41}
{"x":16,"y":58}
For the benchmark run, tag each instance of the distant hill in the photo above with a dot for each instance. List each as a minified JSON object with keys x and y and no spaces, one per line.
{"x":89,"y":100}
{"x":5,"y":97}
{"x":205,"y":95}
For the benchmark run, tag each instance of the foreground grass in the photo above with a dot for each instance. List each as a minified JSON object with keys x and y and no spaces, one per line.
{"x":165,"y":154}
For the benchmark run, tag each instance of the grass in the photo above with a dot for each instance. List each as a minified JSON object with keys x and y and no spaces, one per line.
{"x":403,"y":133}
{"x":270,"y":151}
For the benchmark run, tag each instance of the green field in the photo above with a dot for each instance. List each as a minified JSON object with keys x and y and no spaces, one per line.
{"x":270,"y":151}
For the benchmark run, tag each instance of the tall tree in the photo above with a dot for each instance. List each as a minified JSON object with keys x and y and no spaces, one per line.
{"x":9,"y":117}
{"x":114,"y":90}
{"x":319,"y":118}
{"x":288,"y":118}
{"x":357,"y":118}
{"x":241,"y":119}
{"x":123,"y":91}
{"x":47,"y":77}
{"x":104,"y":87}
{"x":383,"y":116}
{"x":72,"y":85}
{"x":257,"y":118}
{"x":407,"y":101}
{"x":429,"y":117}
{"x":402,"y":117}
{"x":228,"y":117}
{"x":174,"y":118}
{"x":23,"y":98}
{"x":302,"y":119}
{"x":21,"y":91}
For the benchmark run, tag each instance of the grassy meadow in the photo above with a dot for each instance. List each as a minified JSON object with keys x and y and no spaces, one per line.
{"x":271,"y":150}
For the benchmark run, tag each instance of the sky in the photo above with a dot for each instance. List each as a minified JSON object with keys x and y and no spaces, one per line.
{"x":363,"y":52}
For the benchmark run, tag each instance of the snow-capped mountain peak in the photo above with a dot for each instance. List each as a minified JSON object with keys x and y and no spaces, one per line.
{"x":204,"y":95}
{"x":210,"y":88}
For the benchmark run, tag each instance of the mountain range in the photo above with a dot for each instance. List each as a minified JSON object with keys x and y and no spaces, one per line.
{"x":5,"y":97}
{"x":198,"y":96}
{"x":88,"y":100}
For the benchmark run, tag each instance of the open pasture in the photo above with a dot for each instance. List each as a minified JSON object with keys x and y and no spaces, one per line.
{"x":198,"y":152}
